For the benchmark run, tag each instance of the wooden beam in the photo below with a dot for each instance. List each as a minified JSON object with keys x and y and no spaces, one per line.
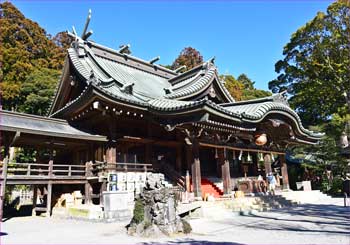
{"x":239,"y":149}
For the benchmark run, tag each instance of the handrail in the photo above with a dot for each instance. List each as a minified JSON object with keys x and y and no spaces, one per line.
{"x":39,"y":169}
{"x":121,"y":166}
{"x":174,"y":175}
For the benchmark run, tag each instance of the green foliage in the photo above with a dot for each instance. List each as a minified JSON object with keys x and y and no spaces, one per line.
{"x":316,"y":64}
{"x":189,"y":57}
{"x":26,"y":155}
{"x":139,"y":213}
{"x":242,"y":88}
{"x":245,"y":80}
{"x":336,"y":187}
{"x":26,"y":51}
{"x":233,"y":86}
{"x":249,"y":94}
{"x":38,"y":90}
{"x":317,"y":159}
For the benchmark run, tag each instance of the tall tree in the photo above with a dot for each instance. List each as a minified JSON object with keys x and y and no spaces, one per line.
{"x":189,"y":57}
{"x":246,"y":81}
{"x":249,"y":92}
{"x":316,"y":65}
{"x":234,"y":87}
{"x":38,"y":90}
{"x":25,"y":48}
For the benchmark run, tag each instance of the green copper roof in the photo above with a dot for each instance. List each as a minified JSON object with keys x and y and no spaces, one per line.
{"x":128,"y":80}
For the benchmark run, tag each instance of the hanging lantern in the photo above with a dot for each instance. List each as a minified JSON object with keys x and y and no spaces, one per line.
{"x":240,"y":155}
{"x":249,"y":159}
{"x":216,"y":154}
{"x":261,"y":158}
{"x":344,"y":142}
{"x":261,"y":139}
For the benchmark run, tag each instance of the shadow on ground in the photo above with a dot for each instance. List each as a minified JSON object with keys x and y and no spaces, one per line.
{"x":311,"y":218}
{"x":193,"y":242}
{"x":11,"y":212}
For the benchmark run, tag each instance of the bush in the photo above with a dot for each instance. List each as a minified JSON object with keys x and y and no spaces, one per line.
{"x":138,"y":212}
{"x":336,"y":187}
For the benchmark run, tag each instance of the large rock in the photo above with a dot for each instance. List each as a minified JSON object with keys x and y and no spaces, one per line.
{"x":159,"y":210}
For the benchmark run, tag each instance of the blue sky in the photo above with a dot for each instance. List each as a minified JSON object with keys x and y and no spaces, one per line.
{"x":244,"y":36}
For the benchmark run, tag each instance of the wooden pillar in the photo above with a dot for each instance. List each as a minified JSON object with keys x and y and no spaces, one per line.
{"x":219,"y":161}
{"x":102,"y":189}
{"x":148,"y":153}
{"x":267,"y":163}
{"x":3,"y":182}
{"x":284,"y":173}
{"x":255,"y":163}
{"x":196,"y":170}
{"x":225,"y":170}
{"x":35,"y":197}
{"x":88,"y":193}
{"x":189,"y":157}
{"x":88,"y":187}
{"x":49,"y":199}
{"x":111,"y":154}
{"x":178,"y":165}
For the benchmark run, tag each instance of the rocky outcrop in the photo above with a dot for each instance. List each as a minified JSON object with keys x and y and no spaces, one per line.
{"x":159,"y":211}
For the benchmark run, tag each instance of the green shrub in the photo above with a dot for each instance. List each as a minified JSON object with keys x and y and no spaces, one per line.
{"x":138,"y":212}
{"x":336,"y":187}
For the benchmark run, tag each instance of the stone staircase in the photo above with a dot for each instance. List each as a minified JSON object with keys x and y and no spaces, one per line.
{"x":311,"y":197}
{"x":248,"y":205}
{"x":209,"y":187}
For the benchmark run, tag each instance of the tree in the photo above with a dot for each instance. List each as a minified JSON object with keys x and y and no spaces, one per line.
{"x":249,"y":92}
{"x":189,"y":57}
{"x":316,"y":66}
{"x":38,"y":90}
{"x":25,"y":48}
{"x":245,"y":80}
{"x":234,"y":87}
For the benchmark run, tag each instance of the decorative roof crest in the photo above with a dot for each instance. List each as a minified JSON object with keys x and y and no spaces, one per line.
{"x":84,"y":35}
{"x":281,"y":97}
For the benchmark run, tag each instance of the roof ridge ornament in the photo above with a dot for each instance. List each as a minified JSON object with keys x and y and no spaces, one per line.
{"x":180,"y":68}
{"x":84,"y":35}
{"x":124,"y":48}
{"x":92,"y":78}
{"x":127,"y":88}
{"x":212,"y":60}
{"x":280,"y":97}
{"x":154,"y":60}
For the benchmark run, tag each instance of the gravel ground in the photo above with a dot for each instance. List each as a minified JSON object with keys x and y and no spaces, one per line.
{"x":302,"y":224}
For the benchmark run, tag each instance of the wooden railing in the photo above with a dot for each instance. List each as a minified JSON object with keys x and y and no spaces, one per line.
{"x":173,"y":175}
{"x":39,"y":169}
{"x":66,"y":170}
{"x":121,"y":167}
